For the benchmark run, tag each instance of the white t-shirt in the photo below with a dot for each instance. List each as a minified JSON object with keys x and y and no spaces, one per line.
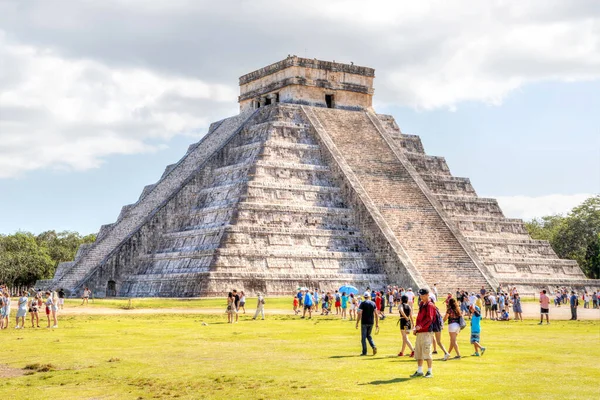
{"x":492,"y":299}
{"x":410,"y":296}
{"x":472,"y":300}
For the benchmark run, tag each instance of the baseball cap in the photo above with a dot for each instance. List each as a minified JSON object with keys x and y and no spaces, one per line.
{"x":423,"y":291}
{"x":367,"y":294}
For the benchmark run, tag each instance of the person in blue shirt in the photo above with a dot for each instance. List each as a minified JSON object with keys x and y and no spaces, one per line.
{"x":476,"y":330}
{"x":574,"y":301}
{"x":344,"y":304}
{"x":308,"y":303}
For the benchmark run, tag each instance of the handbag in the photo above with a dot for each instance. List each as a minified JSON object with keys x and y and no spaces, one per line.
{"x":462,"y":323}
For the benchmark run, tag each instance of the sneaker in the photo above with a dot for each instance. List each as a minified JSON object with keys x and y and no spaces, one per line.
{"x":434,"y":352}
{"x":401,"y":354}
{"x":374,"y":350}
{"x":412,"y":354}
{"x":417,"y":373}
{"x":482,"y":350}
{"x":429,"y":374}
{"x":446,"y":357}
{"x":363,"y":355}
{"x":547,"y":323}
{"x":539,"y":323}
{"x":456,"y":357}
{"x":55,"y":326}
{"x":475,"y":355}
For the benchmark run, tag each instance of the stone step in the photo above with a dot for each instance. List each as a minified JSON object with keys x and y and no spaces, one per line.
{"x":471,"y":206}
{"x":426,"y":164}
{"x":448,"y":185}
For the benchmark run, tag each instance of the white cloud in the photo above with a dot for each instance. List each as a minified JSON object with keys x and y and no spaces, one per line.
{"x":136,"y":73}
{"x":64,"y":113}
{"x":528,"y":207}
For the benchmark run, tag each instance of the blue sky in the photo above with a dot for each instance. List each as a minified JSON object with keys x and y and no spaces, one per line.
{"x":96,"y":98}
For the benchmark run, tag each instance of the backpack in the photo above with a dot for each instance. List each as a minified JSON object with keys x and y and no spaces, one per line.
{"x":438,"y":322}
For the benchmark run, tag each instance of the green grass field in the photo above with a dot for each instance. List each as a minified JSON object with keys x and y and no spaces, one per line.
{"x":177,"y":356}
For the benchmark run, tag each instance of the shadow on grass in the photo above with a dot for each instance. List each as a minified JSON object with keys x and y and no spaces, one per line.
{"x":346,"y":356}
{"x":395,"y":380}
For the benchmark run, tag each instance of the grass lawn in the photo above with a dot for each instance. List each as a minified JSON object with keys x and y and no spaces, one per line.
{"x":177,"y":356}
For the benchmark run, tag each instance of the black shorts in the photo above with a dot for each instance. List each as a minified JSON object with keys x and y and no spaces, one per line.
{"x":494,"y":307}
{"x":307,"y":307}
{"x":544,"y":311}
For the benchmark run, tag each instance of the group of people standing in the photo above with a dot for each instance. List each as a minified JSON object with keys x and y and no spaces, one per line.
{"x":237,"y":301}
{"x":32,"y":302}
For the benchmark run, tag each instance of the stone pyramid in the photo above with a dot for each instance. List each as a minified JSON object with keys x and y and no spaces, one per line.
{"x":308,"y":186}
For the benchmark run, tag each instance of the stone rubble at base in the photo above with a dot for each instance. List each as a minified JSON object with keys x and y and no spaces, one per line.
{"x":297,"y":194}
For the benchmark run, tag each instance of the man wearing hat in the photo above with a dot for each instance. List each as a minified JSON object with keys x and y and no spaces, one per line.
{"x":367,"y":316}
{"x":425,"y":318}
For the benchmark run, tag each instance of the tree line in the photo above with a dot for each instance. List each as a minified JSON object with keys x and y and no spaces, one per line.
{"x":26,"y":257}
{"x":575,"y":236}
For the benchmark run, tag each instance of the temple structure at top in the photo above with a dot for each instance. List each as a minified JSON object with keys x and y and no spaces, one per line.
{"x":311,"y":82}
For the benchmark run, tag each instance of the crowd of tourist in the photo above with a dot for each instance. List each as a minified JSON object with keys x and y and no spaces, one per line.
{"x":33,"y":302}
{"x":236,"y":302}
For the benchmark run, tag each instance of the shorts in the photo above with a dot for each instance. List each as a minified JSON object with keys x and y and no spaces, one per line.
{"x":307,"y":307}
{"x":344,"y":306}
{"x":453,"y":327}
{"x":423,"y":346}
{"x":474,"y":337}
{"x":324,"y":306}
{"x":488,"y":308}
{"x":544,"y":311}
{"x":242,"y":303}
{"x":494,"y":307}
{"x":338,"y":304}
{"x":61,"y":301}
{"x":47,"y":310}
{"x":21,"y":312}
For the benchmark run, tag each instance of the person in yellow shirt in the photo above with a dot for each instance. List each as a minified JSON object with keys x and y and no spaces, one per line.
{"x":479,"y":302}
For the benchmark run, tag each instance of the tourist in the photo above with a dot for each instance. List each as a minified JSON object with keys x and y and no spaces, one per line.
{"x":353,"y":306}
{"x":574,"y":302}
{"x":557,"y":299}
{"x":344,"y":304}
{"x":391,"y":301}
{"x":324,"y":310}
{"x":4,"y":309}
{"x":236,"y":304}
{"x":243,"y":301}
{"x":308,"y":304}
{"x":51,"y":308}
{"x":33,"y":310}
{"x":425,"y":318}
{"x":504,"y":316}
{"x":476,"y":331}
{"x":482,"y":292}
{"x":436,"y":328}
{"x":338,"y":303}
{"x":260,"y":306}
{"x":406,"y":324}
{"x":544,"y":307}
{"x":453,"y":317}
{"x":517,"y":309}
{"x":434,"y":292}
{"x":377,"y":301}
{"x":86,"y":295}
{"x":316,"y":300}
{"x":479,"y":301}
{"x":367,"y":315}
{"x":411,"y":297}
{"x":300,"y":296}
{"x":595,"y":300}
{"x":230,"y":306}
{"x":488,"y":306}
{"x":296,"y":304}
{"x":586,"y":300}
{"x":61,"y":298}
{"x":22,"y":309}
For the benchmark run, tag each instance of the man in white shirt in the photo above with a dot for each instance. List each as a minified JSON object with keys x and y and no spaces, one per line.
{"x":411,"y":297}
{"x":494,"y":305}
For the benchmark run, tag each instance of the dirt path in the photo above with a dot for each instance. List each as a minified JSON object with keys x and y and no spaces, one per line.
{"x":530,"y":310}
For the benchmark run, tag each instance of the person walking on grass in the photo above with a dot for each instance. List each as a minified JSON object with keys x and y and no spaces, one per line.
{"x":22,"y":309}
{"x":33,"y":311}
{"x":236,"y":304}
{"x":367,"y":315}
{"x":296,"y":303}
{"x":476,"y":331}
{"x":425,"y":318}
{"x":4,"y":309}
{"x":338,"y":303}
{"x":230,"y":305}
{"x":344,"y":305}
{"x":353,"y":305}
{"x":243,"y":301}
{"x":406,"y":324}
{"x":453,"y":316}
{"x":51,"y":309}
{"x":544,"y":307}
{"x":86,"y":296}
{"x":61,"y":298}
{"x":260,"y":306}
{"x":517,"y":309}
{"x":437,"y":335}
{"x":308,"y":304}
{"x":574,"y":302}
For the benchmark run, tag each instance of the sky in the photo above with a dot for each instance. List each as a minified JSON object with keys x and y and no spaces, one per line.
{"x":97,"y":97}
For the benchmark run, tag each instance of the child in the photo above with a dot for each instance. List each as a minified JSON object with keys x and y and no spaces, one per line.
{"x":476,"y":330}
{"x":344,"y":304}
{"x":296,"y":304}
{"x":504,"y":316}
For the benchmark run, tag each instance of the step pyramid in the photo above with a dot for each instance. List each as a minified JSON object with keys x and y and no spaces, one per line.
{"x":308,"y":186}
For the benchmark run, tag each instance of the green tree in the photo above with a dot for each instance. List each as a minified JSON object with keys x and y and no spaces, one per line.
{"x":22,"y":260}
{"x":575,"y":236}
